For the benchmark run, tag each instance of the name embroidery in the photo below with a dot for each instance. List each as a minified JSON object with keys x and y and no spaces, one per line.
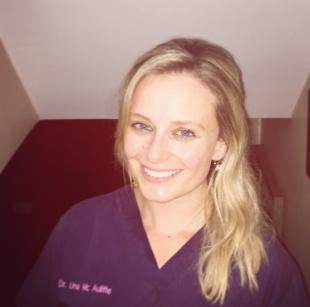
{"x":84,"y":287}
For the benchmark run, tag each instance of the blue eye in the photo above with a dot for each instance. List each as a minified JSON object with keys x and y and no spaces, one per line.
{"x":141,"y":127}
{"x":185,"y":133}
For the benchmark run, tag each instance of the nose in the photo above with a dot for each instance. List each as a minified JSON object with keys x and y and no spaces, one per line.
{"x":157,"y":149}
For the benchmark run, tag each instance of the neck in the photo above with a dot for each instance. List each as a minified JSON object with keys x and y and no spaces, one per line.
{"x":180,"y":215}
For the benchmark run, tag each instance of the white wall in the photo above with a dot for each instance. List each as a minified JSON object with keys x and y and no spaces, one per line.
{"x":17,"y":115}
{"x":285,"y":144}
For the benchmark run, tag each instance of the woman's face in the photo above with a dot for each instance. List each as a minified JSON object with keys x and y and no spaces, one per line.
{"x":172,"y":137}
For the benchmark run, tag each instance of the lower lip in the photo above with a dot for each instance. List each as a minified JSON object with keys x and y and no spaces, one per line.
{"x":158,"y":179}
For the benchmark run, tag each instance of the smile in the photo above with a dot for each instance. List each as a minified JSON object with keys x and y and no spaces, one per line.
{"x":160,"y":174}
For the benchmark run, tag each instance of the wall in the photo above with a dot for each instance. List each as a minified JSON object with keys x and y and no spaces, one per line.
{"x":17,"y":115}
{"x":285,"y":143}
{"x":60,"y":163}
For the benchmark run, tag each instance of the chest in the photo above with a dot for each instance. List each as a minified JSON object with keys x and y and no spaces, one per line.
{"x":125,"y":274}
{"x":166,"y":247}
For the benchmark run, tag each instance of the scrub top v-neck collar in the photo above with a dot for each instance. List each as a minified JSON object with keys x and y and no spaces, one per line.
{"x":143,"y":257}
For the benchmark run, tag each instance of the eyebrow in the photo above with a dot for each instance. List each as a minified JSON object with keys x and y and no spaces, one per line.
{"x":175,"y":122}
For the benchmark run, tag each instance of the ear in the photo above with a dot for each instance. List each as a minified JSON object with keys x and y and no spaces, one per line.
{"x":220,"y":150}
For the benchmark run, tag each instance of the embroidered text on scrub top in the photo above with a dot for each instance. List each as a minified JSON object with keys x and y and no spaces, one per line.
{"x":84,"y":287}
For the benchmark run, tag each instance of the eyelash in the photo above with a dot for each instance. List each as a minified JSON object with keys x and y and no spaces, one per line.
{"x":185,"y":133}
{"x":179,"y":133}
{"x":138,"y":126}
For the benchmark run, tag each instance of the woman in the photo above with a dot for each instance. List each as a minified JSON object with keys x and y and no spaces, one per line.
{"x":189,"y":230}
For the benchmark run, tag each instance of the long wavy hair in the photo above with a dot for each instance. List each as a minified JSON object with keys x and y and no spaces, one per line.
{"x":233,"y":233}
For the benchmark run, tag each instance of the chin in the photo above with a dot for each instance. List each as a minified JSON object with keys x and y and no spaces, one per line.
{"x":166,"y":193}
{"x":157,"y":194}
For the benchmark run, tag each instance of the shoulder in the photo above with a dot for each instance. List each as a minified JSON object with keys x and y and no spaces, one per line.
{"x":278,"y":259}
{"x":280,"y":279}
{"x":99,"y":210}
{"x":99,"y":205}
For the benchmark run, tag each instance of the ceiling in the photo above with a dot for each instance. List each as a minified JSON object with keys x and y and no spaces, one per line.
{"x":71,"y":55}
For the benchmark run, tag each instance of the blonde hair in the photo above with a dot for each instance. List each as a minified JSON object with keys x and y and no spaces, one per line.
{"x":232,"y":236}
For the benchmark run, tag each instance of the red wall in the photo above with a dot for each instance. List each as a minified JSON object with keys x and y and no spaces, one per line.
{"x":60,"y":163}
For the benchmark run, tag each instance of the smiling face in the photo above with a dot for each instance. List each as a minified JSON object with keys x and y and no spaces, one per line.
{"x":172,"y":137}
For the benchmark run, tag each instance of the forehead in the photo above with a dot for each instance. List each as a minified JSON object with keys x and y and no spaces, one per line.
{"x":174,"y":96}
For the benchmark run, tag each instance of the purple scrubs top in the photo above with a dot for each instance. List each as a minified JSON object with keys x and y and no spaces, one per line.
{"x":99,"y":255}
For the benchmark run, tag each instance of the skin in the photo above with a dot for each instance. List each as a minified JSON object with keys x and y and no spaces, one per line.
{"x":172,"y":137}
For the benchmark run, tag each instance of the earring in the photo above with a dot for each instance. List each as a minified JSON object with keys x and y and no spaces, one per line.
{"x":133,"y":182}
{"x":216,"y":165}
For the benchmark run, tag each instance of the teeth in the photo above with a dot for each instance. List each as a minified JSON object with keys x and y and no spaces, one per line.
{"x":157,"y":174}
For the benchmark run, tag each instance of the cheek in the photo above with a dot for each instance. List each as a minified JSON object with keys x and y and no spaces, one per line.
{"x":195,"y":157}
{"x":132,"y":145}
